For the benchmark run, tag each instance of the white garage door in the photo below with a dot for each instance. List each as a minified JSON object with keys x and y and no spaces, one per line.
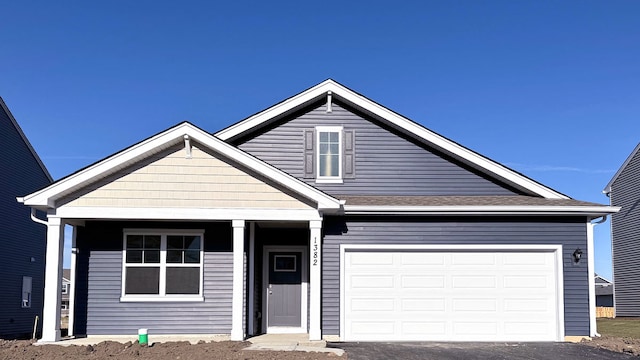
{"x":419,"y":295}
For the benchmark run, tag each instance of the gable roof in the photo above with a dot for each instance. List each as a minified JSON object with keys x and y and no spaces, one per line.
{"x":4,"y":107}
{"x":397,"y":121}
{"x":46,"y":197}
{"x":607,"y":189}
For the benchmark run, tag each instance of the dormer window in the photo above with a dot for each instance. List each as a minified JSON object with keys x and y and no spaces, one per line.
{"x":329,"y":154}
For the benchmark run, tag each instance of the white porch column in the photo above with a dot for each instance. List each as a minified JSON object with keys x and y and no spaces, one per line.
{"x":237,"y":326}
{"x":72,"y":281}
{"x":315,"y":265}
{"x":53,"y":281}
{"x":593,"y":330}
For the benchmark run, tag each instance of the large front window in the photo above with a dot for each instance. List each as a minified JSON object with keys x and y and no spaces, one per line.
{"x":162,"y":265}
{"x":329,"y":154}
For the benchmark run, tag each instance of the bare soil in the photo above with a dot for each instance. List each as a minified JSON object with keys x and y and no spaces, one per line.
{"x":625,"y":345}
{"x":24,"y":349}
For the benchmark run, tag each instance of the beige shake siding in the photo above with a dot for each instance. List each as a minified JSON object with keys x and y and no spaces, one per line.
{"x":172,"y":180}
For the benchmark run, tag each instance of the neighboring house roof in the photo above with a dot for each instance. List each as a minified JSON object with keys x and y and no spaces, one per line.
{"x":24,"y":138}
{"x":46,"y":198}
{"x":600,"y":280}
{"x":66,"y":274}
{"x":471,"y":205}
{"x":607,"y":189}
{"x":395,"y":120}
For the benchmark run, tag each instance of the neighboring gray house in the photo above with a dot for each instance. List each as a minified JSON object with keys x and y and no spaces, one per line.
{"x":326,"y":214}
{"x":66,"y":287}
{"x":604,"y":292}
{"x":624,"y":191}
{"x":22,"y":241}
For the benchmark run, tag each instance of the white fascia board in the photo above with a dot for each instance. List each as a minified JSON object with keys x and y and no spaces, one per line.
{"x":47,"y":196}
{"x":403,"y":123}
{"x":81,"y":212}
{"x":479,"y":210}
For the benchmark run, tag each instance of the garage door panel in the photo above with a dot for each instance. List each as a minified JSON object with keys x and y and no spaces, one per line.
{"x":439,"y":296}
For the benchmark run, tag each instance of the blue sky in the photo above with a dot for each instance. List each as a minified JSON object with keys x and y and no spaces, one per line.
{"x":549,"y":88}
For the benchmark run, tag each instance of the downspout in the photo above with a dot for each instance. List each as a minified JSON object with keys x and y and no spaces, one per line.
{"x":35,"y":219}
{"x":593,"y":328}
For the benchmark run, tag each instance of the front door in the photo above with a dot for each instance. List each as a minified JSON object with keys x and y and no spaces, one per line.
{"x":284,"y":289}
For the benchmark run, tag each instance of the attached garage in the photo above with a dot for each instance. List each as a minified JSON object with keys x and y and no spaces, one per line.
{"x":436,"y":293}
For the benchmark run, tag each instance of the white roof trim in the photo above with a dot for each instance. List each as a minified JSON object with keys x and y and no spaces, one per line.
{"x":47,"y":196}
{"x":479,"y":210}
{"x":24,"y":138}
{"x":448,"y":146}
{"x":607,"y":189}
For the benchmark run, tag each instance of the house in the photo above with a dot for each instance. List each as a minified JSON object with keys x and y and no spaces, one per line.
{"x":22,"y":240}
{"x":325,"y":214}
{"x":623,"y":192}
{"x":604,"y":292}
{"x":66,"y":285}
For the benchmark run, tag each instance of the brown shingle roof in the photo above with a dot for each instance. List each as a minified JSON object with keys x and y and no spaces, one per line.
{"x":366,"y":200}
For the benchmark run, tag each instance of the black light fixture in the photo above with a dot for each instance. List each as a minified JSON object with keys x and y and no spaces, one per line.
{"x":577,"y":255}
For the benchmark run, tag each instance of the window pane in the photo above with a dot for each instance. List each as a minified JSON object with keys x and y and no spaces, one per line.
{"x":324,"y":137}
{"x":334,"y":165}
{"x":152,"y":241}
{"x":323,"y":166}
{"x":192,"y":242}
{"x":183,"y":280}
{"x":333,"y":137}
{"x":334,"y":149}
{"x":174,"y":256}
{"x":134,"y":241}
{"x":152,"y":256}
{"x":324,"y":148}
{"x":174,"y":242}
{"x":192,"y":256}
{"x":134,"y":256}
{"x":142,"y":280}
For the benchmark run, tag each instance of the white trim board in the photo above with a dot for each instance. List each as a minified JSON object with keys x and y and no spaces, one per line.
{"x":607,"y":189}
{"x":46,"y":198}
{"x":556,"y":249}
{"x":402,"y":123}
{"x":479,"y":210}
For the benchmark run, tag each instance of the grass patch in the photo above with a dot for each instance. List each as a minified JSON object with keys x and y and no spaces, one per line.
{"x":620,"y":327}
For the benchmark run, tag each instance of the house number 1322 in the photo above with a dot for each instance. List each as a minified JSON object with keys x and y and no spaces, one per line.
{"x":315,"y":252}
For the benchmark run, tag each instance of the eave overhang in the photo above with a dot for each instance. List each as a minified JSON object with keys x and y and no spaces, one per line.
{"x":588,"y":211}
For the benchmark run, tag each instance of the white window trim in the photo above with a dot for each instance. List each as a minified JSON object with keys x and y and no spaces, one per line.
{"x":27,"y":291}
{"x":65,"y":289}
{"x":329,"y":179}
{"x":162,"y":297}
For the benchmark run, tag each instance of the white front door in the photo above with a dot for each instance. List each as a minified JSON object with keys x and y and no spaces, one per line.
{"x":426,"y":295}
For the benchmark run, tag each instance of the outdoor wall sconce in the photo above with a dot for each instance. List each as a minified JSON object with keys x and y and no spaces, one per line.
{"x":577,"y":255}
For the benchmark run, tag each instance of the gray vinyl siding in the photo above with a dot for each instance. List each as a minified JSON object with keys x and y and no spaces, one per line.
{"x":21,"y":238}
{"x":386,"y":163}
{"x":625,"y":234}
{"x":571,"y":233}
{"x":101,"y":252}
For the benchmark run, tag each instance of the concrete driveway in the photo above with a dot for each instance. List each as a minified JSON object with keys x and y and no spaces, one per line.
{"x":464,"y":351}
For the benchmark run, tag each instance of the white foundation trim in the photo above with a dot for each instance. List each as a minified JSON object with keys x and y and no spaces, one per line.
{"x":303,"y":291}
{"x":557,"y":249}
{"x":315,"y":280}
{"x":237,"y":326}
{"x":53,"y":281}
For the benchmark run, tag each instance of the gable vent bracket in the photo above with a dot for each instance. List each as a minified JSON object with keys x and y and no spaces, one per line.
{"x":187,"y":146}
{"x":329,"y":102}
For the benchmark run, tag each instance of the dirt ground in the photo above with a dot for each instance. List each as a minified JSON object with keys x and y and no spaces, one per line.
{"x":618,"y":344}
{"x":24,"y":349}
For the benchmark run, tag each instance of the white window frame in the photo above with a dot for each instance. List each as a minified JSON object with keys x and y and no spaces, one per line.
{"x":162,"y":296}
{"x":329,"y":179}
{"x":65,"y":289}
{"x":64,"y":306}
